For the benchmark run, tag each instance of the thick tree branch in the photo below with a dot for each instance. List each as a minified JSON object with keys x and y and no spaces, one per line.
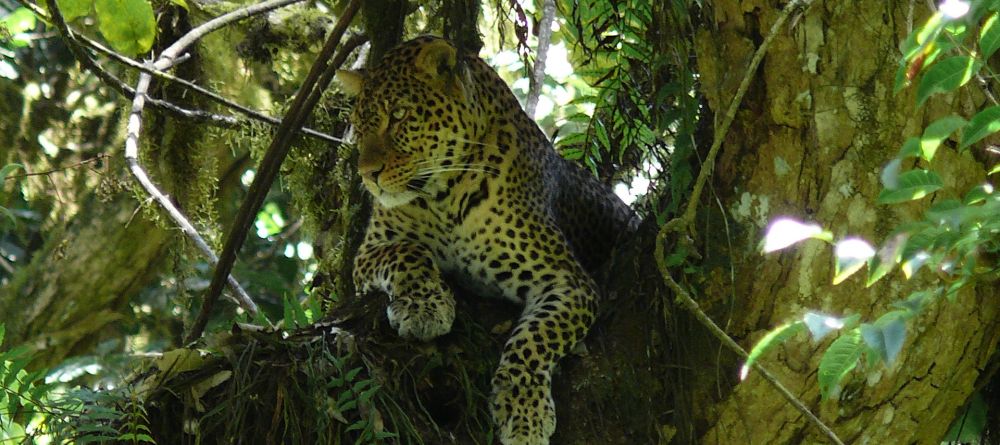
{"x":312,"y":88}
{"x":680,"y":225}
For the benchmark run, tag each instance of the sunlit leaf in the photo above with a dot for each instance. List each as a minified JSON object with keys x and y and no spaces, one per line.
{"x":918,"y":40}
{"x":784,"y":232}
{"x":914,"y":184}
{"x":128,"y":25}
{"x":838,"y":360}
{"x":179,"y":360}
{"x":978,"y":194}
{"x":989,"y":37}
{"x":850,"y":254}
{"x":820,"y":324}
{"x":936,"y":132}
{"x":777,"y":336}
{"x":945,"y":76}
{"x":72,"y":9}
{"x":20,"y":21}
{"x":886,"y":259}
{"x":911,"y":265}
{"x":983,"y":124}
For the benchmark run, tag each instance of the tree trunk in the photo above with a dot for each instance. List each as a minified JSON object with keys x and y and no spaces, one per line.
{"x":819,"y":122}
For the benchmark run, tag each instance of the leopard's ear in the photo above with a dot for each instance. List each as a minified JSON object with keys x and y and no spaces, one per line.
{"x":351,"y":82}
{"x":438,"y":61}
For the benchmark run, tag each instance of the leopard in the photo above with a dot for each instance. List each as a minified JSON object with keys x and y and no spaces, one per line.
{"x":468,"y":190}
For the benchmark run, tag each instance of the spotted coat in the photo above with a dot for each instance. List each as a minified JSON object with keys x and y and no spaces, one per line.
{"x":467,"y":185}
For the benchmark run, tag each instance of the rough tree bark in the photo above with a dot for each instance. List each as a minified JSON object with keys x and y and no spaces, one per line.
{"x":818,"y":124}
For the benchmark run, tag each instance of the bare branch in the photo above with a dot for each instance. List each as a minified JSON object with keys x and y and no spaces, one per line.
{"x":682,"y":223}
{"x":116,"y":83}
{"x":248,"y":112}
{"x":541,"y":54}
{"x":99,"y":157}
{"x":312,"y":88}
{"x":75,"y":40}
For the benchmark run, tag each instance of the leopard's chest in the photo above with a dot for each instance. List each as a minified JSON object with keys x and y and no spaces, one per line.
{"x":473,"y":234}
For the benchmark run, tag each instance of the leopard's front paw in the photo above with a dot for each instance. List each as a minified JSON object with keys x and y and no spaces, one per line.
{"x":421,"y":318}
{"x":522,"y":406}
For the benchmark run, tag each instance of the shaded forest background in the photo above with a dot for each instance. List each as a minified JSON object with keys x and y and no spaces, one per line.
{"x":101,"y":290}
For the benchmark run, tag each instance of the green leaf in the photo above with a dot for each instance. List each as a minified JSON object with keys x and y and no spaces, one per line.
{"x":989,"y":37}
{"x":352,"y":374}
{"x":301,"y":320}
{"x":978,"y":194}
{"x":3,"y":331}
{"x":918,"y":40}
{"x":969,"y":425}
{"x":838,"y":360}
{"x":936,"y":132}
{"x":72,"y":9}
{"x":850,"y":255}
{"x":128,"y":25}
{"x":602,"y":134}
{"x":777,"y":336}
{"x":914,"y":184}
{"x":820,"y":324}
{"x":6,"y":170}
{"x":886,"y":259}
{"x":288,"y":313}
{"x":916,"y":301}
{"x":18,"y":22}
{"x":886,"y":336}
{"x":946,"y":75}
{"x":983,"y":124}
{"x":910,"y":149}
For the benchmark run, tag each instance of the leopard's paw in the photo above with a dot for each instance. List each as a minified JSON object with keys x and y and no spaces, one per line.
{"x":522,"y":406}
{"x":421,"y":318}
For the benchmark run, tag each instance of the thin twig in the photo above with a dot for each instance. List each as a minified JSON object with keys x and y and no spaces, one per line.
{"x":683,"y":223}
{"x":167,"y":60}
{"x":120,"y":86}
{"x":131,"y":159}
{"x":309,"y":93}
{"x":99,"y":157}
{"x":75,"y":39}
{"x":248,"y":112}
{"x":541,"y":54}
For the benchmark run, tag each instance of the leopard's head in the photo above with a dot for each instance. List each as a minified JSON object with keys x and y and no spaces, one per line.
{"x":415,"y":118}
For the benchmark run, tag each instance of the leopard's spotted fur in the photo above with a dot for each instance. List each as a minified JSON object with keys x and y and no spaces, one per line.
{"x":466,"y":184}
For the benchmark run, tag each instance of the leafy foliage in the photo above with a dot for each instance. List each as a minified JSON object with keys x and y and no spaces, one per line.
{"x":645,"y":109}
{"x":35,"y":407}
{"x":957,"y":240}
